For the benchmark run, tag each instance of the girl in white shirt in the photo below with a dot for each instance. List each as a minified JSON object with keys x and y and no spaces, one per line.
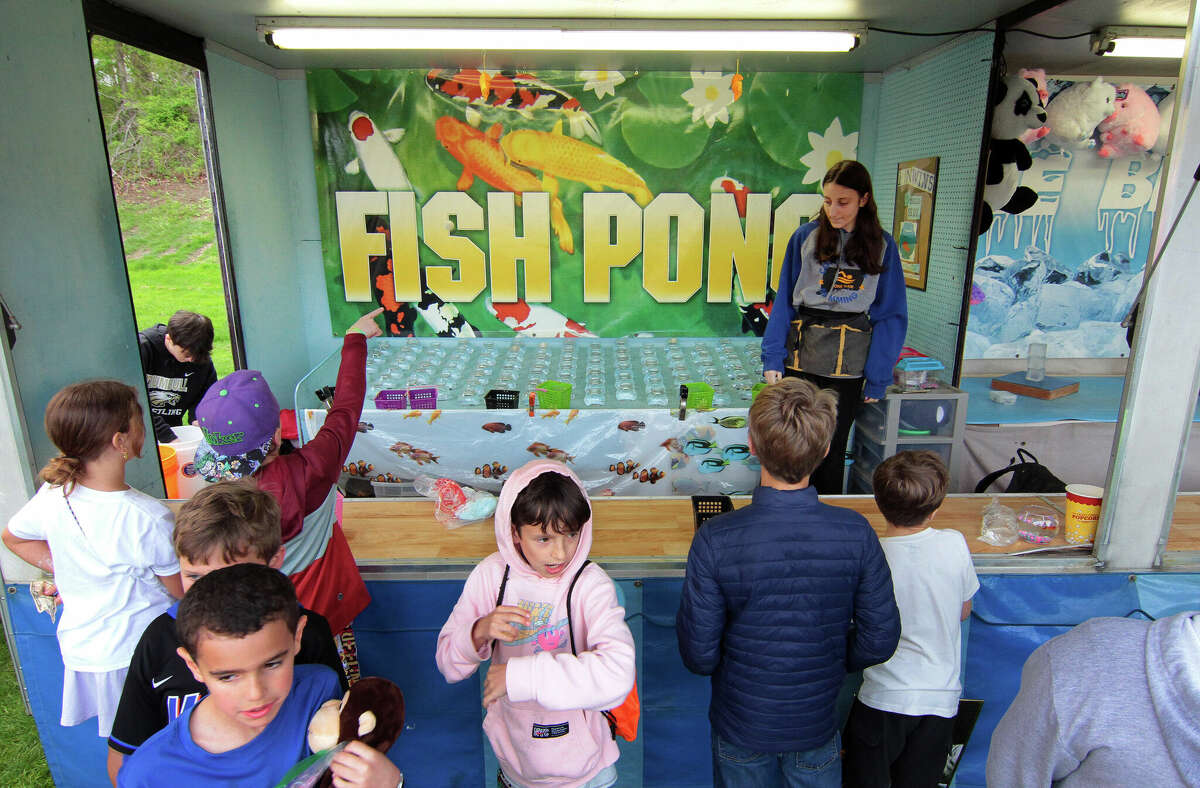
{"x":108,"y":545}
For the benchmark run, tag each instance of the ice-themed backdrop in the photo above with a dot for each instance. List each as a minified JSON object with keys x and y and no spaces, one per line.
{"x":652,"y":200}
{"x":1066,"y":271}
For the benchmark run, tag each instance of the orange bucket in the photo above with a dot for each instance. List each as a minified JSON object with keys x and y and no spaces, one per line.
{"x":170,"y":468}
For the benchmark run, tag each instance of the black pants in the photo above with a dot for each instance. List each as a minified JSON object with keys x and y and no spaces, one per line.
{"x":883,"y":748}
{"x":828,"y":477}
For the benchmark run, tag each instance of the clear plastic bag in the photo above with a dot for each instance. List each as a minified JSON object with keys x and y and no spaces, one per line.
{"x":457,"y":504}
{"x":999,"y":526}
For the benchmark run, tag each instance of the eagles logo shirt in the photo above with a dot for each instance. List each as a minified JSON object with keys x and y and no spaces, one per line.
{"x":174,"y":387}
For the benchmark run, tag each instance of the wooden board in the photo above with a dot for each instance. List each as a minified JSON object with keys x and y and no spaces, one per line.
{"x":1047,"y":388}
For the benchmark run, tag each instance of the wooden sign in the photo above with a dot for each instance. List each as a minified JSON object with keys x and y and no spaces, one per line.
{"x":912,"y":225}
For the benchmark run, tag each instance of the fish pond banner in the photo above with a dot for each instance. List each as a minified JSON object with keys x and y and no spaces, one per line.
{"x":1066,"y":271}
{"x":569,"y":203}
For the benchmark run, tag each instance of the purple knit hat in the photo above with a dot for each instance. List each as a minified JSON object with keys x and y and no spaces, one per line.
{"x":238,"y":414}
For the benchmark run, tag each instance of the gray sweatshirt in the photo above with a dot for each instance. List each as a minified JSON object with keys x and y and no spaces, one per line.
{"x":1113,"y":702}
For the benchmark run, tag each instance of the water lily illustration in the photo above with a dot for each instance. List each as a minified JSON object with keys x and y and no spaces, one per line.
{"x":710,"y":96}
{"x":602,"y":83}
{"x":828,"y":150}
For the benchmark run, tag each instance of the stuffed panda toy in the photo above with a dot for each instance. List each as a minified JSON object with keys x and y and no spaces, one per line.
{"x":1018,"y":109}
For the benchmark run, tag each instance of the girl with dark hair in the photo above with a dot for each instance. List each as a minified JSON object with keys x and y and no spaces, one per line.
{"x":107,"y":545}
{"x":840,"y":313}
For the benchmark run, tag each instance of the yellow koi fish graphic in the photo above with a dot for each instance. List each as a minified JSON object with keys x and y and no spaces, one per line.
{"x":480,"y":154}
{"x":560,"y":156}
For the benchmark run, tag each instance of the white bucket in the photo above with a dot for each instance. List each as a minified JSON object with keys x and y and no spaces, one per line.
{"x":187,"y":440}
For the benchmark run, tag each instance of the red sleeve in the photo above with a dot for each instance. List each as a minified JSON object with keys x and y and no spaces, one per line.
{"x":306,"y":475}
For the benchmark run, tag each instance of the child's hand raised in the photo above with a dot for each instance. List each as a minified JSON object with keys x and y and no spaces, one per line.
{"x":363,"y":766}
{"x":366,"y":324}
{"x":504,"y":624}
{"x":495,"y":686}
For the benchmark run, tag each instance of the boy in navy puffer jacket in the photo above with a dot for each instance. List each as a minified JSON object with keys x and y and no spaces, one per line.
{"x":768,"y":600}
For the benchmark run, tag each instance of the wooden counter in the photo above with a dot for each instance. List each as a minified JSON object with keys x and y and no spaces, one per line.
{"x":660,"y":529}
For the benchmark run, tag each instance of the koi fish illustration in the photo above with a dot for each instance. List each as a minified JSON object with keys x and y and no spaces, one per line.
{"x":557,"y":155}
{"x":496,"y":426}
{"x":571,"y":416}
{"x":375,"y":156}
{"x":443,"y":318}
{"x":515,"y":91}
{"x":735,"y":187}
{"x":631,"y":426}
{"x":480,"y":154}
{"x":536,"y":320}
{"x":731,"y":422}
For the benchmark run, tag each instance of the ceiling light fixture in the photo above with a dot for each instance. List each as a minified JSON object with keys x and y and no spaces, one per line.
{"x":545,"y":35}
{"x":1162,"y":42}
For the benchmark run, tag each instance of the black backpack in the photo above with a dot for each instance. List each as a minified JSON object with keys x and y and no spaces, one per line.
{"x":1028,"y":476}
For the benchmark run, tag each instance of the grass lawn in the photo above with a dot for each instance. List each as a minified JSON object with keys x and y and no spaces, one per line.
{"x":21,"y":759}
{"x":171,"y":253}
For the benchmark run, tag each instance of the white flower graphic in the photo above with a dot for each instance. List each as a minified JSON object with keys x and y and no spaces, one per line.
{"x":710,"y":96}
{"x":603,"y":83}
{"x":828,"y":150}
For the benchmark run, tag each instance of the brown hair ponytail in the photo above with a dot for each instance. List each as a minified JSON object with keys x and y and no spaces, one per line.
{"x":81,"y":420}
{"x":864,"y":248}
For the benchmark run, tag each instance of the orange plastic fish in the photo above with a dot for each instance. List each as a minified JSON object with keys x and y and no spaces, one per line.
{"x":550,"y":414}
{"x":480,"y":154}
{"x":434,"y":416}
{"x":571,"y":416}
{"x":561,"y":156}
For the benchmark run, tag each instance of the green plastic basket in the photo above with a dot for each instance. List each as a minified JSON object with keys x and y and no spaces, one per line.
{"x":554,"y":394}
{"x":757,"y":388}
{"x":700,"y":396}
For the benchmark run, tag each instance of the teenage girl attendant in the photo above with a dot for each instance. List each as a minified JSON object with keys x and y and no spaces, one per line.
{"x":840,"y":313}
{"x":108,"y":545}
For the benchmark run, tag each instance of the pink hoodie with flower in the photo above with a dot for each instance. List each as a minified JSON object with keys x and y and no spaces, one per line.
{"x":548,"y":730}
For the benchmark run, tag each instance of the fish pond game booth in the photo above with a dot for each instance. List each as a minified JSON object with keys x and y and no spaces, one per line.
{"x":577,"y":262}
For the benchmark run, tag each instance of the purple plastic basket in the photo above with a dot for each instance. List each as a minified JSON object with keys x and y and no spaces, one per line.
{"x":392,"y":399}
{"x":424,"y":398}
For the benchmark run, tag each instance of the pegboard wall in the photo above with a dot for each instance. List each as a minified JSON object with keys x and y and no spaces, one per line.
{"x":935,"y":107}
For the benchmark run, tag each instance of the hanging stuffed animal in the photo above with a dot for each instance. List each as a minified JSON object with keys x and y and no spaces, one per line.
{"x":1076,"y":111}
{"x":1166,"y":114}
{"x":1018,"y":109}
{"x":1038,"y":75}
{"x":1133,"y":126}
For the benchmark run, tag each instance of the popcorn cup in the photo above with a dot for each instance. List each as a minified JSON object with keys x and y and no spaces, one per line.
{"x":1083,"y":512}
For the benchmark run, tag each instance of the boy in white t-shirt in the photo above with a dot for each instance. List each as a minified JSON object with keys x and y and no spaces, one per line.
{"x":901,"y":723}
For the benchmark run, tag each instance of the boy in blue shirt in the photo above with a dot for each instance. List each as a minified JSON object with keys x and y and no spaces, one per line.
{"x":768,"y":599}
{"x":240,"y":628}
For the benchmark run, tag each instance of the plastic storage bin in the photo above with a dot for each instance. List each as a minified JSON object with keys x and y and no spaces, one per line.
{"x":423,"y":398}
{"x":392,"y":399}
{"x":700,"y":395}
{"x":921,"y":414}
{"x":500,"y":399}
{"x":554,"y":394}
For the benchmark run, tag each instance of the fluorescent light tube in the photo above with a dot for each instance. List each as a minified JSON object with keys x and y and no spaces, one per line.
{"x":559,"y":39}
{"x":1146,"y":47}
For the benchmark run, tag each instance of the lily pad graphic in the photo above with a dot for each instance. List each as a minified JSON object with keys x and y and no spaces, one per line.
{"x":662,"y":132}
{"x":785,"y":107}
{"x":327,"y":92}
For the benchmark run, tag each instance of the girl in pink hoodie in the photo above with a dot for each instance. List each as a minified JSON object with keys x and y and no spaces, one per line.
{"x":543,"y":702}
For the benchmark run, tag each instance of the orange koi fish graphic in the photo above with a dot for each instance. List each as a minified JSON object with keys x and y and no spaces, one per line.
{"x":480,"y":154}
{"x":510,"y":90}
{"x":557,"y":155}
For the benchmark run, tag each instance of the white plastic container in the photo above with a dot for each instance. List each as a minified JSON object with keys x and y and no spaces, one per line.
{"x":187,"y":439}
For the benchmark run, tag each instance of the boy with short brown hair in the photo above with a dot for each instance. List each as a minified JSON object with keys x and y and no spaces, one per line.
{"x":176,"y":359}
{"x":768,"y":599}
{"x":900,"y":726}
{"x":240,"y":629}
{"x":223,"y":524}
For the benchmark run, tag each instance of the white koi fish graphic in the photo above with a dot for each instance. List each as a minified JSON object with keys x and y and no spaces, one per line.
{"x":375,"y":155}
{"x":537,"y":320}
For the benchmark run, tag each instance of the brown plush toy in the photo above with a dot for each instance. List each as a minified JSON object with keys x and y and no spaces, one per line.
{"x":372,"y":711}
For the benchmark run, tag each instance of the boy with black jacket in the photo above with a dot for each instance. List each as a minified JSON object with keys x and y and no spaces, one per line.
{"x":768,"y":600}
{"x":178,"y":366}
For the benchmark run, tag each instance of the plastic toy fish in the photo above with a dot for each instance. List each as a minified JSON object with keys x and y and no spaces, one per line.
{"x":557,"y":155}
{"x":434,"y":416}
{"x":496,"y":426}
{"x":695,"y":446}
{"x":736,"y":452}
{"x":632,"y":426}
{"x":712,"y":465}
{"x":571,"y":416}
{"x":412,"y":414}
{"x":480,"y":154}
{"x":550,"y":414}
{"x":731,"y":422}
{"x":375,"y":156}
{"x":510,"y":90}
{"x":536,"y":320}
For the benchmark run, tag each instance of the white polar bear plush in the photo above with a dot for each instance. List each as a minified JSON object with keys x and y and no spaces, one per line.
{"x":1074,"y":113}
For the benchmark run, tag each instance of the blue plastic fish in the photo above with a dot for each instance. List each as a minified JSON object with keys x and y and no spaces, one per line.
{"x":697,"y":446}
{"x":712,"y":465}
{"x":736,"y":452}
